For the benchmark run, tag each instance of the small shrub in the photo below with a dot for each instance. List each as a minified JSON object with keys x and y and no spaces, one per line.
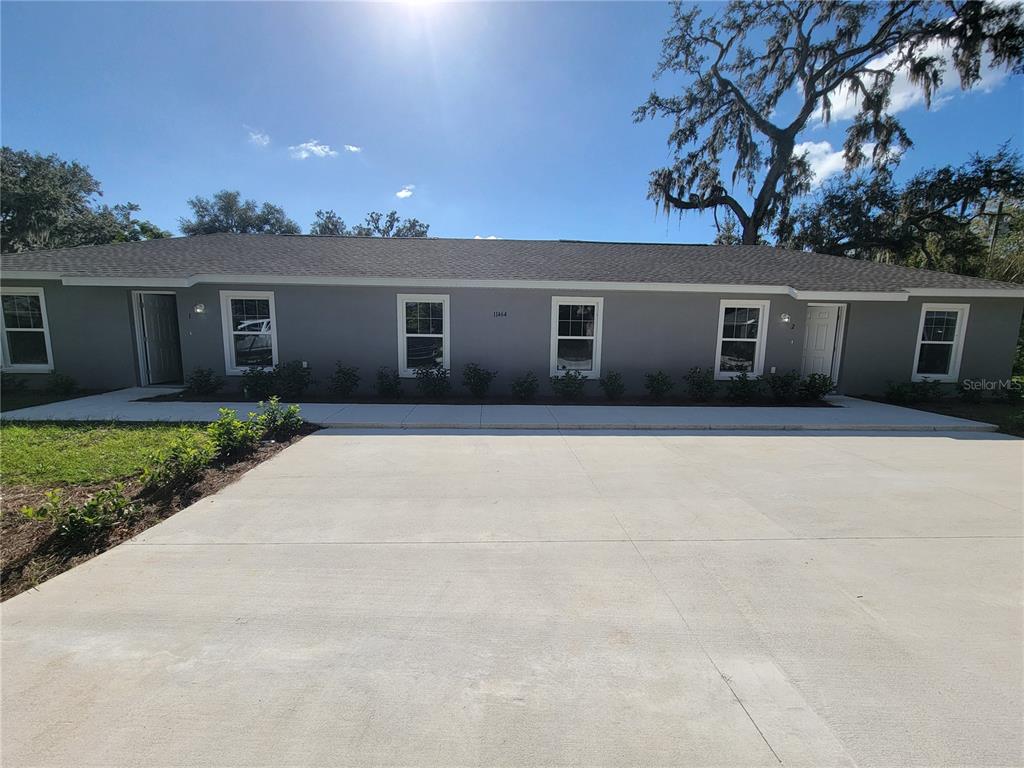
{"x":815,"y":387}
{"x":743,"y":389}
{"x":925,"y":391}
{"x":182,"y":463}
{"x":658,"y":384}
{"x":700,"y":384}
{"x":278,"y":422}
{"x":290,"y":380}
{"x":969,"y":394}
{"x":1014,"y":393}
{"x":257,"y":383}
{"x":79,"y":525}
{"x":432,"y":381}
{"x":233,"y":438}
{"x":569,"y":386}
{"x":783,"y":386}
{"x":62,"y":384}
{"x":477,"y":380}
{"x":389,"y":383}
{"x":10,"y":383}
{"x":203,"y":381}
{"x":344,"y":380}
{"x":898,"y":394}
{"x":525,"y":387}
{"x":612,"y":385}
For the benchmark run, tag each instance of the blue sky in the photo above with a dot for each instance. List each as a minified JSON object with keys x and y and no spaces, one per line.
{"x":512,"y":119}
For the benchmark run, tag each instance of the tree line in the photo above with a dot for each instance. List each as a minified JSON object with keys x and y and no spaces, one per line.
{"x":48,"y":202}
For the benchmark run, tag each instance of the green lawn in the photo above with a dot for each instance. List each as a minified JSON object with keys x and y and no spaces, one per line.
{"x":47,"y":454}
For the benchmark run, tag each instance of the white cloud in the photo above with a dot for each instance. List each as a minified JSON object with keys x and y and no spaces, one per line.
{"x":257,"y":137}
{"x":311,"y":148}
{"x":905,"y":95}
{"x":353,"y":148}
{"x":405,"y":191}
{"x":823,"y":161}
{"x":489,"y":237}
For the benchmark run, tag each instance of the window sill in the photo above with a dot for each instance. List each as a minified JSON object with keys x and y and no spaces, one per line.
{"x":943,"y":379}
{"x":730,"y":375}
{"x":594,"y":375}
{"x":243,"y":371}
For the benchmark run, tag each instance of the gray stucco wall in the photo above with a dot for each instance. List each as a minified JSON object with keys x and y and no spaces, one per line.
{"x":92,"y":333}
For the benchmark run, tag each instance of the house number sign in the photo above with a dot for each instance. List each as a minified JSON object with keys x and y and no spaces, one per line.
{"x":499,"y":313}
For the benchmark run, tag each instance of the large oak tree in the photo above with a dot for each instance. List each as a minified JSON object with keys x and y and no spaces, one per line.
{"x":754,"y":74}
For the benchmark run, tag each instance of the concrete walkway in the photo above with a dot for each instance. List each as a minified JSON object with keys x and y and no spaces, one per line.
{"x":853,"y":415}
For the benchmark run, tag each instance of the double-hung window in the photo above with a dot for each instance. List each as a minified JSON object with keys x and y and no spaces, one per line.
{"x":576,"y":335}
{"x":423,"y":340}
{"x":250,"y":330}
{"x":742,"y":326}
{"x":940,"y":342}
{"x":26,"y":332}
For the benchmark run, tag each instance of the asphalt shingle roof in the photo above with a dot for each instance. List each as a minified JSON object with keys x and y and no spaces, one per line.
{"x":298,"y":256}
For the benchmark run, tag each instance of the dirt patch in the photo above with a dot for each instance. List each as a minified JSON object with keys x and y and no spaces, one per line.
{"x":30,"y":553}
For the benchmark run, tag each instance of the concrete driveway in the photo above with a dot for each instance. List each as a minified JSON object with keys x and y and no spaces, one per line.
{"x":548,"y":599}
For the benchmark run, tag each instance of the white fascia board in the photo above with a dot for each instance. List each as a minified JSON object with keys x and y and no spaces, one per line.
{"x":848,"y":295}
{"x":996,"y":293}
{"x":15,"y":274}
{"x":133,"y":282}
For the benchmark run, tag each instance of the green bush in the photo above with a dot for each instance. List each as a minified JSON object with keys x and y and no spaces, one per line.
{"x":78,"y":525}
{"x":477,"y":380}
{"x":969,"y":394}
{"x":432,"y":381}
{"x":783,"y":386}
{"x":743,"y":389}
{"x":612,"y":385}
{"x":926,"y":391}
{"x":658,"y":384}
{"x":233,"y":438}
{"x":257,"y":383}
{"x":525,"y":387}
{"x":278,"y":422}
{"x":1014,"y":393}
{"x":898,"y":394}
{"x":182,"y":463}
{"x":62,"y":384}
{"x":11,"y":383}
{"x":344,"y":380}
{"x":569,"y":386}
{"x":700,"y":384}
{"x":203,"y":381}
{"x":290,"y":380}
{"x":389,"y":383}
{"x":815,"y":387}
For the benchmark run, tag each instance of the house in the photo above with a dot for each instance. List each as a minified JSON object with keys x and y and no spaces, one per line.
{"x":144,"y":313}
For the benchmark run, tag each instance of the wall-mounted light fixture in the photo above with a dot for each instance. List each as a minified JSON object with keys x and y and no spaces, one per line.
{"x":784,"y":317}
{"x":199,"y":309}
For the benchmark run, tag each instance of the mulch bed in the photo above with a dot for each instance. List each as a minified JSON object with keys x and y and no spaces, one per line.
{"x":30,"y":553}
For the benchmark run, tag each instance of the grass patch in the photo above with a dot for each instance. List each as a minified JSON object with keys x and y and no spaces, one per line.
{"x":50,"y":454}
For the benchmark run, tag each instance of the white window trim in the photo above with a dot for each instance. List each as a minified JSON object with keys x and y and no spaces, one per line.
{"x":7,"y":365}
{"x":230,"y":368}
{"x":403,"y":365}
{"x":759,"y":345}
{"x":963,"y":310}
{"x":598,"y":303}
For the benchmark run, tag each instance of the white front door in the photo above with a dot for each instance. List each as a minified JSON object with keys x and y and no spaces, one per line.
{"x":820,"y":339}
